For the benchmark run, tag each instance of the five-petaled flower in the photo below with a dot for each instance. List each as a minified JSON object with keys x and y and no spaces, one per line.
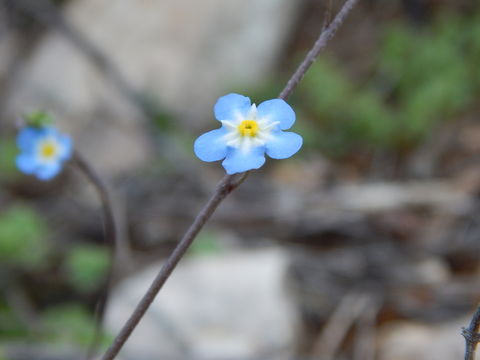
{"x":248,"y":133}
{"x":43,"y":151}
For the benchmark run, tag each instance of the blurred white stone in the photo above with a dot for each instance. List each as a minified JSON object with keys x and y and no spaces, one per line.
{"x":416,"y":341}
{"x":375,"y":197}
{"x":225,"y":306}
{"x":187,"y":52}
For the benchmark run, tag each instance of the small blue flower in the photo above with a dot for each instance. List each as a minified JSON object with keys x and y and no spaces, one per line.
{"x":248,"y":133}
{"x":42,"y":151}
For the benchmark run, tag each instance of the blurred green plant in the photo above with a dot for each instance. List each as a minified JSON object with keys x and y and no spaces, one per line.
{"x":23,"y":237}
{"x":38,"y":119}
{"x":86,"y":267}
{"x":423,"y":77}
{"x":70,"y":324}
{"x":206,"y":243}
{"x":8,"y":152}
{"x":10,"y":325}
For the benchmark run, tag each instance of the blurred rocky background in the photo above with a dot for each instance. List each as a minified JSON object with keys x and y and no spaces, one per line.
{"x":366,"y":245}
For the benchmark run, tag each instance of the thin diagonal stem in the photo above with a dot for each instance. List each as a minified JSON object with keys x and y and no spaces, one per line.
{"x":318,"y":46}
{"x":224,"y":187}
{"x":471,"y":335}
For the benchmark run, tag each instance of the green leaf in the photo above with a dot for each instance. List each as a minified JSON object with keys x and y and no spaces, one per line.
{"x":38,"y":119}
{"x":206,"y":243}
{"x":87,"y":266}
{"x":70,"y":324}
{"x":23,"y":236}
{"x":8,"y":152}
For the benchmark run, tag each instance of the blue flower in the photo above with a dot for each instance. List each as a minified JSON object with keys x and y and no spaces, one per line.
{"x":42,"y":151}
{"x":248,"y":133}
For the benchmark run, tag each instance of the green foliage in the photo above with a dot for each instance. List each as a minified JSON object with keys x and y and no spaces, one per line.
{"x":429,"y":73}
{"x":68,"y":324}
{"x":22,"y":237}
{"x":206,"y":243}
{"x":86,"y":267}
{"x":345,"y":115}
{"x":10,"y":326}
{"x":422,"y":77}
{"x":38,"y":119}
{"x":8,"y":152}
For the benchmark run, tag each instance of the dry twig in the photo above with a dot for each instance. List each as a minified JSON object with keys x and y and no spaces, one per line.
{"x":340,"y":322}
{"x":471,"y":335}
{"x":118,"y":251}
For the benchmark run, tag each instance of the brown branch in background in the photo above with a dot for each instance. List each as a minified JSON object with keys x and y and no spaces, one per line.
{"x":341,"y":320}
{"x":225,"y":187}
{"x":49,"y":15}
{"x":364,"y":347}
{"x":118,"y":250}
{"x":471,"y":335}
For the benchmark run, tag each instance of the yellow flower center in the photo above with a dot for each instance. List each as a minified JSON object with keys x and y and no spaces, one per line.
{"x":248,"y":128}
{"x":48,"y":149}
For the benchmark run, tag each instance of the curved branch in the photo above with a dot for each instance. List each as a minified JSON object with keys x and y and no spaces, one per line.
{"x":111,"y":237}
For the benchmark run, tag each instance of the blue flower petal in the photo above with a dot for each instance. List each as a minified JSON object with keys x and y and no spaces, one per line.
{"x":26,"y":163}
{"x":238,"y":161}
{"x":283,"y":144}
{"x":46,"y":172}
{"x":67,"y":146}
{"x":211,"y":146}
{"x":228,"y":106}
{"x":27,"y":138}
{"x":277,"y":110}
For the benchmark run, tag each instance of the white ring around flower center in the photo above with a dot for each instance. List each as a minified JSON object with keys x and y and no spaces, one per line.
{"x":48,"y":150}
{"x":247,"y":140}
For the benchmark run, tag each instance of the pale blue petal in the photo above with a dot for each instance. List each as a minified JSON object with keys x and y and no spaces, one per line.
{"x":67,"y":146}
{"x":46,"y":172}
{"x":283,"y":145}
{"x":277,"y":110}
{"x":50,"y":130}
{"x":211,"y":146}
{"x":229,"y":105}
{"x":26,"y":163}
{"x":28,"y":137}
{"x":238,"y":161}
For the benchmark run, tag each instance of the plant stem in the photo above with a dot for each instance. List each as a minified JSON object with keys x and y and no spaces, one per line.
{"x":326,"y":35}
{"x":111,"y":236}
{"x":225,"y":187}
{"x":471,"y":335}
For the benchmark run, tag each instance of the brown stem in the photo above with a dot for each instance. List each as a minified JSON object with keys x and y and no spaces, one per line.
{"x":111,"y":236}
{"x":225,"y":187}
{"x":318,"y":46}
{"x":471,"y":335}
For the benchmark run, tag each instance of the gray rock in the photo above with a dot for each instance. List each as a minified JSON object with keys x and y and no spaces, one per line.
{"x":225,"y":306}
{"x":417,"y":341}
